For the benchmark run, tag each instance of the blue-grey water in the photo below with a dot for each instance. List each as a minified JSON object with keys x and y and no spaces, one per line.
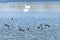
{"x":32,"y":20}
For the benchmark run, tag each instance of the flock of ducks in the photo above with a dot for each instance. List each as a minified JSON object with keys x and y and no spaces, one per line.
{"x":20,"y":29}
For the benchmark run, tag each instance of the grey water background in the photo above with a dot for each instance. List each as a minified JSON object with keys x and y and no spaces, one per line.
{"x":30,"y":20}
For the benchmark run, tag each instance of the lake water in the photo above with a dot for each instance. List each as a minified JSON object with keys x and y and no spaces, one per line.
{"x":11,"y":22}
